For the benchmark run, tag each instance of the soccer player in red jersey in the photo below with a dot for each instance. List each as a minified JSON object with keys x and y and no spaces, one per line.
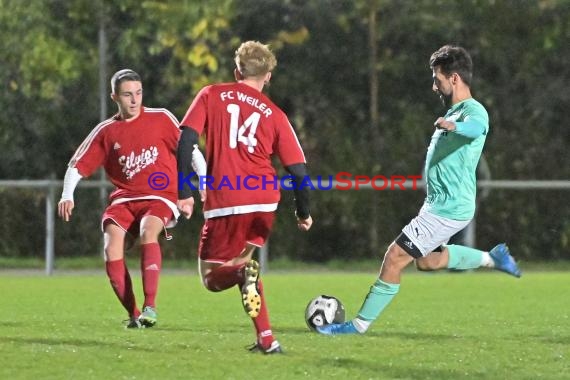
{"x":137,"y":149}
{"x":243,"y":129}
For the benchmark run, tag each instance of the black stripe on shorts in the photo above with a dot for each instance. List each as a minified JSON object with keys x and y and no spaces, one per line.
{"x":407,"y":245}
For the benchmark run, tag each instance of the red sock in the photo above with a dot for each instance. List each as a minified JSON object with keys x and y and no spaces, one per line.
{"x":224,"y":277}
{"x":261,"y":322}
{"x":151,"y":263}
{"x":121,"y":282}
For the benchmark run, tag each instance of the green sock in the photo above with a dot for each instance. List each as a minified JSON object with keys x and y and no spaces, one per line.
{"x":379,"y":296}
{"x":461,"y":257}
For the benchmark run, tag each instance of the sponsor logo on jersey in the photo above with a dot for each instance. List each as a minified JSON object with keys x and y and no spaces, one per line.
{"x":133,"y":163}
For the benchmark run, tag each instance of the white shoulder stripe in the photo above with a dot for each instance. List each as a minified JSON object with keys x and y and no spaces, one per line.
{"x":297,"y":140}
{"x":166,"y":112}
{"x":88,"y":140}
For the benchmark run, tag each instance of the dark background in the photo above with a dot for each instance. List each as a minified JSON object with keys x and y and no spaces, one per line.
{"x":353,"y":76}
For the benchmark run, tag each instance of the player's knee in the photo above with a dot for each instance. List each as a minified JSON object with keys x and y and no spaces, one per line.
{"x":149,"y":235}
{"x":211,"y":288}
{"x":208,"y":284}
{"x":424,"y":265}
{"x":113,"y":253}
{"x":396,"y":258}
{"x":431,"y":262}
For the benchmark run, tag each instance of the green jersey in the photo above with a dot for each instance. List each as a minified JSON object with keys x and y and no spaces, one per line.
{"x":451,"y":162}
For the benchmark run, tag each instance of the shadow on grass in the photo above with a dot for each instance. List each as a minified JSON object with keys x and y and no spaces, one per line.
{"x":563,"y":339}
{"x":380,"y":334}
{"x":418,"y":336}
{"x":75,"y":342}
{"x":301,"y":330}
{"x":387,"y":371}
{"x":5,"y":324}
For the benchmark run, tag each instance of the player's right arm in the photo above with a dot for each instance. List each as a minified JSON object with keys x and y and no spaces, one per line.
{"x":66,"y":204}
{"x":86,"y":159}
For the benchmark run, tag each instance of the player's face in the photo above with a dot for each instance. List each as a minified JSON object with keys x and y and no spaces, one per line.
{"x":442,"y":86}
{"x":129,"y":99}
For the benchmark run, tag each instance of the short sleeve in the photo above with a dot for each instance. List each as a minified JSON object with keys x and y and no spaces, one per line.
{"x":197,"y":114}
{"x":288,"y":148}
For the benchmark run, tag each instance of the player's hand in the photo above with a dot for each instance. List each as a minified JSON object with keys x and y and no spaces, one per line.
{"x":304,"y":224}
{"x":203,"y":195}
{"x":441,"y":123}
{"x":65,"y":209}
{"x":186,"y":206}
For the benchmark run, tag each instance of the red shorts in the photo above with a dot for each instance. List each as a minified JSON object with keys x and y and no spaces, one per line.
{"x":225,"y":237}
{"x":128,"y":215}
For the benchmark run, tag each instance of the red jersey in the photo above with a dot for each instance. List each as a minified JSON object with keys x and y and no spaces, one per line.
{"x":130,"y":152}
{"x":243,"y":129}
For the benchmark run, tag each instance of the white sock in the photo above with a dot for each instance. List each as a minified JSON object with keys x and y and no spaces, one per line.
{"x":361,"y":325}
{"x":487,"y":260}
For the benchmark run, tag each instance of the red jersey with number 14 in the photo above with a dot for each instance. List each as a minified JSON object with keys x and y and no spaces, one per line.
{"x":243,"y":129}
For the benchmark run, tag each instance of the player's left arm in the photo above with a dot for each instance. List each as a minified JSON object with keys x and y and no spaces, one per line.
{"x":473,"y":123}
{"x":470,"y":127}
{"x":303,"y":210}
{"x":189,"y":159}
{"x":292,"y":157}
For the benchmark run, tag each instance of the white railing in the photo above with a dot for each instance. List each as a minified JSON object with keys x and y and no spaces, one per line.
{"x":52,"y":188}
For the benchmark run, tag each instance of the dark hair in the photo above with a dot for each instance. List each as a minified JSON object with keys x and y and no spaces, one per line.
{"x":123,"y":76}
{"x":453,"y":59}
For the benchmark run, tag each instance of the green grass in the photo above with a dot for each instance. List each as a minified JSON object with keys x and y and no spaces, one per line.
{"x":440,"y":326}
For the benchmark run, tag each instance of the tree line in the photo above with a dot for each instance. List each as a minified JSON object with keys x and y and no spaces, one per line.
{"x":352,"y":75}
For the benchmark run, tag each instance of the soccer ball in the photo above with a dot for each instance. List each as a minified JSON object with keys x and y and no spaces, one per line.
{"x":324,"y":310}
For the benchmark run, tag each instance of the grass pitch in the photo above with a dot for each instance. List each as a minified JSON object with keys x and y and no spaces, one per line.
{"x":478,"y":325}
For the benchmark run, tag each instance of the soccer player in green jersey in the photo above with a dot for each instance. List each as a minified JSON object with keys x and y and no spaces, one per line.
{"x":449,"y":206}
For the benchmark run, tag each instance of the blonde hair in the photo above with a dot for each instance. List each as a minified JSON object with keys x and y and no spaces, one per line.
{"x":254,"y":59}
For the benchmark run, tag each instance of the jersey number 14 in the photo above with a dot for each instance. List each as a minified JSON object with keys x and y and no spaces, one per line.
{"x":245,"y":133}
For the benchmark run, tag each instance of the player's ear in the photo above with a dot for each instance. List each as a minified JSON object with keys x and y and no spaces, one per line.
{"x":267,"y":78}
{"x":237,"y":74}
{"x":454,"y":78}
